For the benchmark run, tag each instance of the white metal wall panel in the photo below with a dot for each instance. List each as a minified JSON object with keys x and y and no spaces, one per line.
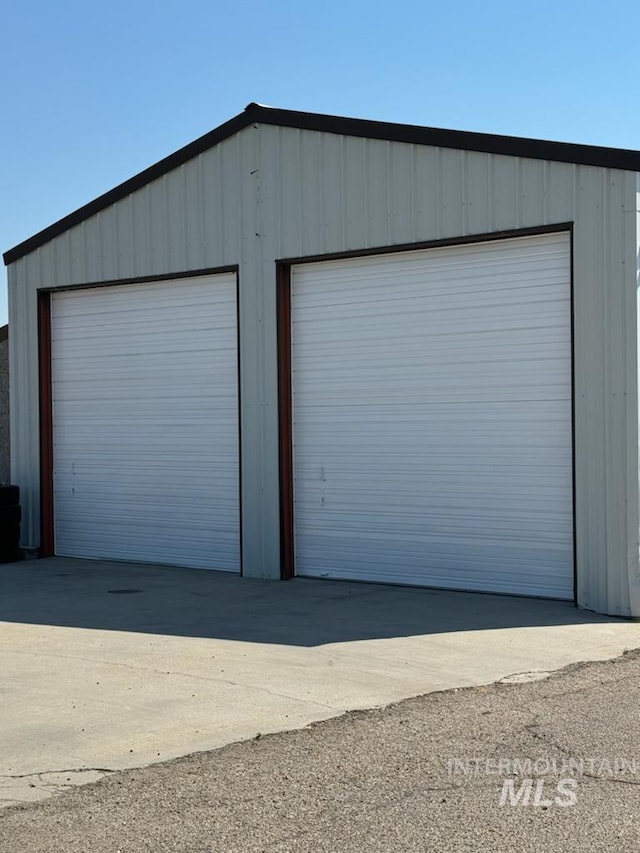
{"x":145,"y":422}
{"x":274,"y":192}
{"x":432,"y":417}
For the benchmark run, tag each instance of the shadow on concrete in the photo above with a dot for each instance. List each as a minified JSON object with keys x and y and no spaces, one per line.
{"x":195,"y":603}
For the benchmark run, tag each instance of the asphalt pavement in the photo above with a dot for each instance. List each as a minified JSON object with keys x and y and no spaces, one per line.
{"x":552,"y":764}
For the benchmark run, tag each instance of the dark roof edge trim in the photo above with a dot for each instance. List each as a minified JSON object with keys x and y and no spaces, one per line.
{"x":4,"y":333}
{"x":488,"y":143}
{"x":224,"y":131}
{"x":514,"y":146}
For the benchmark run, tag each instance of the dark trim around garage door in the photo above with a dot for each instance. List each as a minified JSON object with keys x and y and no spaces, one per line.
{"x":285,"y":415}
{"x":285,"y":401}
{"x":47,"y":521}
{"x":47,"y":547}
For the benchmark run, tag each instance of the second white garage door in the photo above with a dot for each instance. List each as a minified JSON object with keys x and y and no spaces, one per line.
{"x":145,"y":422}
{"x":432,"y":417}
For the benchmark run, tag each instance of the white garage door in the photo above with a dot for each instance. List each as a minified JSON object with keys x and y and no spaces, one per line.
{"x":432,"y":417}
{"x":145,"y":422}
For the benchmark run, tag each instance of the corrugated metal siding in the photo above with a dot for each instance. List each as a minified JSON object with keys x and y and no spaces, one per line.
{"x":272,"y":192}
{"x":633,"y":375}
{"x":145,"y":422}
{"x":432,"y":417}
{"x":4,"y":408}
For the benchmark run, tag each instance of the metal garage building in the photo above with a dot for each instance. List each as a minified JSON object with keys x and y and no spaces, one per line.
{"x":331,"y":347}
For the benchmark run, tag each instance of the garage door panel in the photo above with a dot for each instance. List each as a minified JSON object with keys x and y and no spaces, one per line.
{"x":145,"y":418}
{"x":486,"y":567}
{"x":432,"y":417}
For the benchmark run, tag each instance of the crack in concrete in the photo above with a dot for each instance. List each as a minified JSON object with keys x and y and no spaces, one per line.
{"x":26,"y":788}
{"x":56,"y":772}
{"x":238,"y":684}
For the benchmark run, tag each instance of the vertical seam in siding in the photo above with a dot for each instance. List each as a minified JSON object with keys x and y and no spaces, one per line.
{"x":365,"y":183}
{"x":439,"y":200}
{"x":413,"y":206}
{"x":344,"y":231}
{"x":609,"y":294}
{"x":187,"y":260}
{"x":166,"y":235}
{"x":464,"y":192}
{"x":388,"y":193}
{"x":322,"y":195}
{"x":604,"y":317}
{"x":239,"y":403}
{"x":240,"y":213}
{"x":259,"y":288}
{"x":202,"y":234}
{"x":491,"y":192}
{"x":278,"y":189}
{"x":216,"y":201}
{"x":301,"y":216}
{"x":518,"y":191}
{"x":135,"y":237}
{"x":572,"y":322}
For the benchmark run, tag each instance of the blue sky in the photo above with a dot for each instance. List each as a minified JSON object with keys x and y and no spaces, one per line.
{"x":93,"y":93}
